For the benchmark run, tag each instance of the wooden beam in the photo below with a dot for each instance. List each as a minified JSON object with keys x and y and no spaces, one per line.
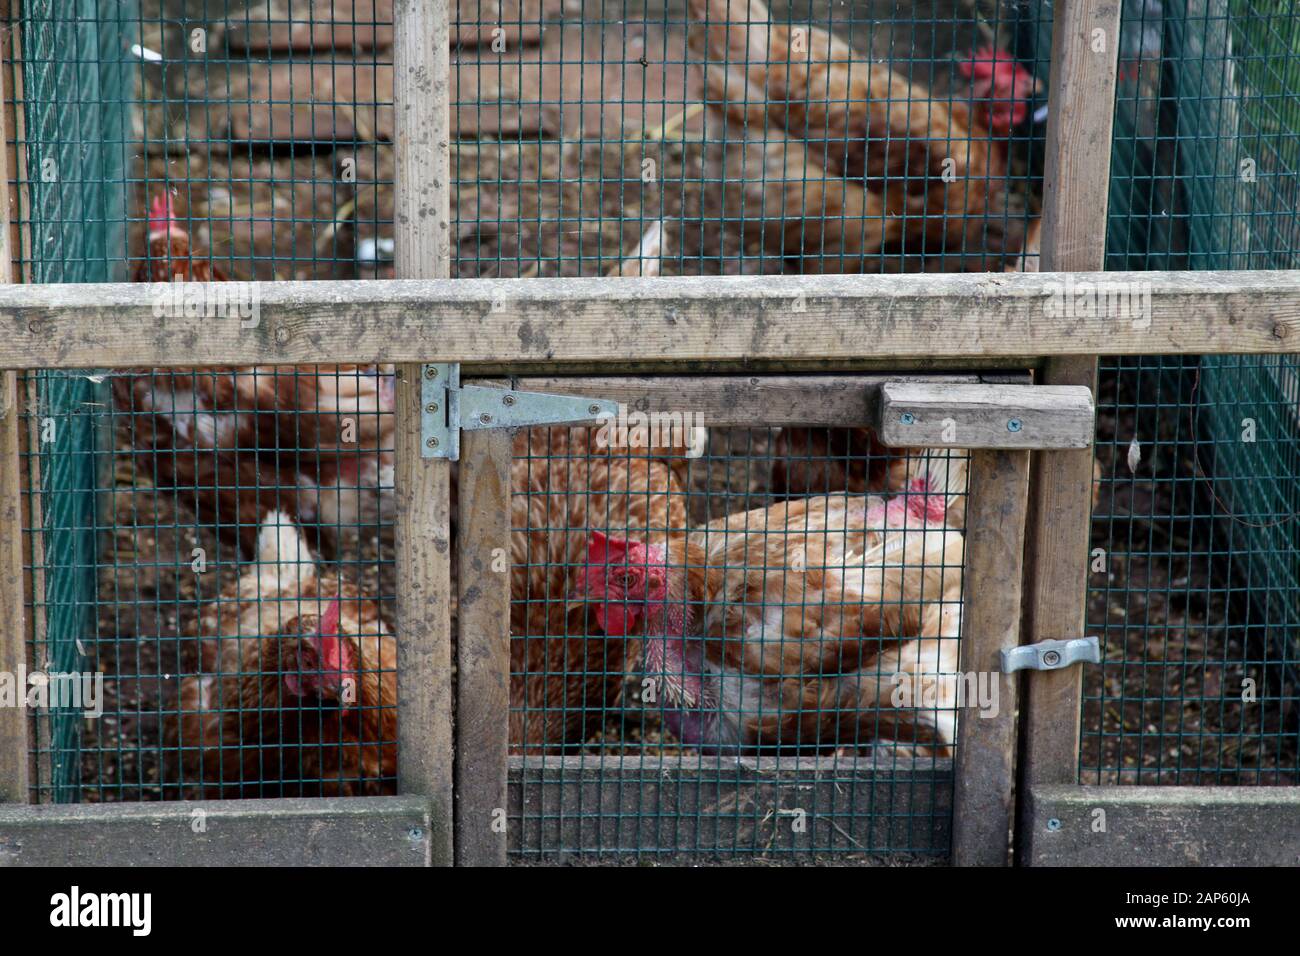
{"x":984,"y":780}
{"x":483,"y":647}
{"x":710,"y":807}
{"x":338,"y":831}
{"x":663,"y":321}
{"x":423,"y":486}
{"x":15,"y":749}
{"x":941,"y":415}
{"x":1161,"y":826}
{"x":1076,"y":187}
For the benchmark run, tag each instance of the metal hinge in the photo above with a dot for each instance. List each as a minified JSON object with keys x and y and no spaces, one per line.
{"x":1051,"y":655}
{"x":447,"y":407}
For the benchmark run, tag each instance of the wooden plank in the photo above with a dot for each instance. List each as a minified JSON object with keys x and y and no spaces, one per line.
{"x":15,"y":749}
{"x":1076,"y":185}
{"x":707,"y":806}
{"x":741,"y":400}
{"x":342,"y":831}
{"x":423,"y":486}
{"x":1162,"y":826}
{"x":483,"y":647}
{"x":998,"y":495}
{"x":941,"y":415}
{"x":662,"y":321}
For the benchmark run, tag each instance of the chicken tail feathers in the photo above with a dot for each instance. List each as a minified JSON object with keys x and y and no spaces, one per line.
{"x":282,"y":550}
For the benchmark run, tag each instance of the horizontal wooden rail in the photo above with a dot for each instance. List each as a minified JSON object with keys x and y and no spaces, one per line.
{"x":334,"y":831}
{"x":660,"y":323}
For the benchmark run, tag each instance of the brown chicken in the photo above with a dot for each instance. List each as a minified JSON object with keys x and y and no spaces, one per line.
{"x":866,"y":170}
{"x":565,"y":482}
{"x":237,"y":442}
{"x":169,"y":257}
{"x":792,"y":626}
{"x":298,"y":690}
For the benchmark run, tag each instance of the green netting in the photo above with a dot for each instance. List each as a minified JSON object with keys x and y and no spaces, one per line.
{"x":75,"y":82}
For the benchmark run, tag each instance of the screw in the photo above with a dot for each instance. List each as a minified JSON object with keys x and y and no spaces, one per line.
{"x":430,"y":372}
{"x":507,"y":400}
{"x":1051,"y":658}
{"x":431,"y":407}
{"x":282,"y":335}
{"x":432,"y":443}
{"x":593,"y":409}
{"x":1053,"y":824}
{"x":485,"y":418}
{"x":907,"y":418}
{"x":1014,"y":425}
{"x":415,"y":834}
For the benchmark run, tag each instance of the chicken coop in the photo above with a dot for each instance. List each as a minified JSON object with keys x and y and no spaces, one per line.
{"x":650,"y":431}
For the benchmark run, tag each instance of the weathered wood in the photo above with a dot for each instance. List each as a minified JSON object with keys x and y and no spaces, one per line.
{"x":1076,"y":192}
{"x":661,"y":320}
{"x":742,"y":400}
{"x":940,"y":415}
{"x":984,"y":777}
{"x":711,"y":807}
{"x":367,"y":831}
{"x":15,"y":751}
{"x":1161,"y":826}
{"x":423,"y":486}
{"x":483,"y":647}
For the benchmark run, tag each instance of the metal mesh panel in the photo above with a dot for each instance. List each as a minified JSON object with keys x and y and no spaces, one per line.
{"x":757,"y":663}
{"x":1197,"y":599}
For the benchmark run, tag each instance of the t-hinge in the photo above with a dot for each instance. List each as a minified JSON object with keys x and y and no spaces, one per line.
{"x":447,"y":407}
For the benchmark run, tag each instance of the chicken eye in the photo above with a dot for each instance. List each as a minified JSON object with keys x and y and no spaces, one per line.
{"x":630,"y":580}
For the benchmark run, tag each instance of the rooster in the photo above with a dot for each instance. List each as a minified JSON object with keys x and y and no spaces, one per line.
{"x":791,"y":626}
{"x":298,"y":690}
{"x":169,"y":257}
{"x":915,"y":182}
{"x":565,"y":482}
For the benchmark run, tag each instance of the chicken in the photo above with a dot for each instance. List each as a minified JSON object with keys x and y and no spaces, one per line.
{"x":236,"y":442}
{"x":566,"y":482}
{"x":916,"y":182}
{"x":792,"y":626}
{"x":169,"y":257}
{"x":297,"y":694}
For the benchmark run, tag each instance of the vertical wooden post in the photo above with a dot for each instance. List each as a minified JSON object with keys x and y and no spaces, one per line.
{"x":483,"y":648}
{"x":1076,"y":184}
{"x":14,"y":727}
{"x":421,"y":231}
{"x":998,"y":493}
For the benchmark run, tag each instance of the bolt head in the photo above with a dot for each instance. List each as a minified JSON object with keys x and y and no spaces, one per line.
{"x":415,"y":834}
{"x":907,"y":418}
{"x":1051,"y":658}
{"x":485,"y":418}
{"x":430,"y":372}
{"x":507,"y":400}
{"x":593,"y":409}
{"x":431,"y":407}
{"x":432,"y":443}
{"x":1014,"y":425}
{"x":1053,"y":824}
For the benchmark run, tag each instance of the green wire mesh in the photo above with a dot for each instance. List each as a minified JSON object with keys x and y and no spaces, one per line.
{"x":1194,"y":580}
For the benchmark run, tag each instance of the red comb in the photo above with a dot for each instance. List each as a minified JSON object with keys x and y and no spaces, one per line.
{"x":329,"y":622}
{"x":602,"y":549}
{"x":161,"y":213}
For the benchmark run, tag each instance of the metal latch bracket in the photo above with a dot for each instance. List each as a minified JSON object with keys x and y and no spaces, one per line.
{"x":1051,"y":655}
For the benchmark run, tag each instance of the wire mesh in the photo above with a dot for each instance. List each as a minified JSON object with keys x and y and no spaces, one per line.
{"x":1193,"y":585}
{"x":734,"y":654}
